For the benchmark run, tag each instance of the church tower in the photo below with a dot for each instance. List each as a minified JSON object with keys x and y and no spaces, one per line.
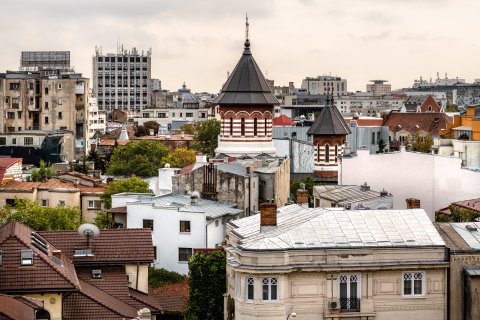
{"x":329,"y":133}
{"x":246,"y":108}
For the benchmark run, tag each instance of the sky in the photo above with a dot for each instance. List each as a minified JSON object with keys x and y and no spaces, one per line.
{"x":199,"y":41}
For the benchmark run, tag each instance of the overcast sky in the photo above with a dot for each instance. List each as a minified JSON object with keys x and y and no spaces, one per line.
{"x":199,"y":41}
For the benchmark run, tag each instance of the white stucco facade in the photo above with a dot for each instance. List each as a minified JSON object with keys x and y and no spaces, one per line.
{"x":435,"y":180}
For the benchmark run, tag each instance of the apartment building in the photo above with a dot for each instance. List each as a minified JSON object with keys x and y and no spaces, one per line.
{"x":325,"y":85}
{"x":122,"y":80}
{"x":379,"y":87}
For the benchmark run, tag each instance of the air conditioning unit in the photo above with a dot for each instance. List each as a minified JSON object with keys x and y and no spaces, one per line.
{"x":130,"y":277}
{"x":334,"y":305}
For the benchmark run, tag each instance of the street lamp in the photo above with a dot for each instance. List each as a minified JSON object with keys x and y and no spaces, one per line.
{"x":293,"y":315}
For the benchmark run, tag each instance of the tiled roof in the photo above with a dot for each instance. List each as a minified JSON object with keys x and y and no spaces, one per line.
{"x":85,"y":189}
{"x":313,"y":228}
{"x":418,"y":121}
{"x":19,"y":307}
{"x":112,"y":245}
{"x":8,"y":162}
{"x":106,"y":142}
{"x":282,"y":120}
{"x":174,"y":137}
{"x":172,"y":297}
{"x":52,"y":184}
{"x":472,"y":204}
{"x":45,"y":274}
{"x":329,"y":122}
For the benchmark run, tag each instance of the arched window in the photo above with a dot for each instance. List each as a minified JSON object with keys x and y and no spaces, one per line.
{"x":255,"y":127}
{"x":265,"y":127}
{"x":318,"y":153}
{"x":242,"y":127}
{"x":327,"y":153}
{"x":231,"y":126}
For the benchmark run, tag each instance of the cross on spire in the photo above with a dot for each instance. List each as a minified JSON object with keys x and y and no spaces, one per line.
{"x":247,"y":36}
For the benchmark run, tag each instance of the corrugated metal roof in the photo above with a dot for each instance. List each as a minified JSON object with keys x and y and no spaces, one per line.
{"x":343,"y":195}
{"x":305,"y":228}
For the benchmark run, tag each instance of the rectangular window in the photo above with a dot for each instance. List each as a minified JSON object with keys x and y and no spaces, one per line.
{"x":61,"y":203}
{"x":60,"y":116}
{"x":46,"y":91}
{"x":46,"y":120}
{"x":46,"y":105}
{"x":96,"y":273}
{"x":184,"y":226}
{"x":184,"y":254}
{"x":155,"y":253}
{"x":189,"y":114}
{"x":413,"y":284}
{"x":270,"y":289}
{"x":3,"y":141}
{"x":10,"y":115}
{"x":14,"y":140}
{"x":94,"y":204}
{"x":148,"y":224}
{"x":28,"y":141}
{"x":250,"y":287}
{"x":26,"y":257}
{"x":19,"y":114}
{"x":44,"y":202}
{"x":349,"y":292}
{"x":14,"y":86}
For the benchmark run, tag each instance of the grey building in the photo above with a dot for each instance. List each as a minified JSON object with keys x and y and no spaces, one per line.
{"x":122,"y":80}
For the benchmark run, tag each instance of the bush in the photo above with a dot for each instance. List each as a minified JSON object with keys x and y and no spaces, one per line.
{"x":160,"y":277}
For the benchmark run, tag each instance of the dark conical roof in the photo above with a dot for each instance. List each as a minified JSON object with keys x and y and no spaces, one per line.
{"x":329,"y":122}
{"x":246,"y":85}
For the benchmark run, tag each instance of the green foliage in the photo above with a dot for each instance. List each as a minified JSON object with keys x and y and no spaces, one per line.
{"x":230,"y":308}
{"x":457,"y":214}
{"x":132,"y":184}
{"x":103,"y":220}
{"x":206,"y":137}
{"x":207,"y":285}
{"x":43,"y":173}
{"x":463,"y":136}
{"x":41,"y":218}
{"x":295,"y":185}
{"x":180,"y":157}
{"x":142,"y":159}
{"x":98,"y":162}
{"x":160,"y":277}
{"x":144,"y":130}
{"x":381,"y":145}
{"x":79,"y":166}
{"x":188,"y":128}
{"x":451,"y":108}
{"x":422,"y":143}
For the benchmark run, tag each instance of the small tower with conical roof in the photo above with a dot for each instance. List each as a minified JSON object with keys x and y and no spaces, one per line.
{"x":329,"y":133}
{"x":246,"y":108}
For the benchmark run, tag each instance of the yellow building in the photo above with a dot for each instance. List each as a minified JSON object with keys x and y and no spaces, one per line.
{"x":467,"y":124}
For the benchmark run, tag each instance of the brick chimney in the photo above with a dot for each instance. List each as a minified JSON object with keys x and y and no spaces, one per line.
{"x":268,"y":215}
{"x":413,"y":203}
{"x":302,"y":196}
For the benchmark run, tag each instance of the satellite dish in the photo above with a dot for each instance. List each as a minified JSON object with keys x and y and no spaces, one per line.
{"x":167,"y":165}
{"x":89,"y":231}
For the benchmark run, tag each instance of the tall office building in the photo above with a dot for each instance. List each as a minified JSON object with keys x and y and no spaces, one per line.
{"x":122,"y":80}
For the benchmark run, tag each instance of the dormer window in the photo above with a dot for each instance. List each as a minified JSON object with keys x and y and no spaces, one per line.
{"x":26,"y":257}
{"x":97,"y":274}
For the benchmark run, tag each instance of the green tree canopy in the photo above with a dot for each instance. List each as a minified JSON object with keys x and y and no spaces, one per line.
{"x":132,"y":184}
{"x":180,"y":157}
{"x":41,"y":218}
{"x":207,"y":285}
{"x":160,"y":277}
{"x":206,"y":137}
{"x":43,"y":173}
{"x":142,"y":158}
{"x":422,"y":143}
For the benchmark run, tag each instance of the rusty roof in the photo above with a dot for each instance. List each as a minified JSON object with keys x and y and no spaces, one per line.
{"x":431,"y":122}
{"x":172,"y":297}
{"x":112,"y":245}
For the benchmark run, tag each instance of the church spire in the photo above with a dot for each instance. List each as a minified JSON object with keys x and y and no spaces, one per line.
{"x":247,"y":36}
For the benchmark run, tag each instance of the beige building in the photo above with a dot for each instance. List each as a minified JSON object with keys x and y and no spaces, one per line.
{"x":325,"y":85}
{"x":336,"y":264}
{"x":379,"y":87}
{"x":54,"y":193}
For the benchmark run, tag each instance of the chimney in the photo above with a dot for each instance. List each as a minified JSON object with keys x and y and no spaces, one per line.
{"x":194,"y":198}
{"x":302,"y":196}
{"x":76,"y":181}
{"x":200,"y":158}
{"x":57,"y":254}
{"x":268,"y":215}
{"x":413,"y":203}
{"x":249,"y":169}
{"x":182,"y":134}
{"x":365,"y":187}
{"x":383,"y":193}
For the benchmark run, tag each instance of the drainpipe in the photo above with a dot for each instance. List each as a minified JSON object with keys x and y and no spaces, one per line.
{"x":206,"y":232}
{"x":136,"y":280}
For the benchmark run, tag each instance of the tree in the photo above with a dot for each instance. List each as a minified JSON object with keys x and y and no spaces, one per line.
{"x":207,"y":285}
{"x":180,"y":157}
{"x":422,"y":143}
{"x":457,"y":214}
{"x":41,"y":218}
{"x":381,"y":145}
{"x":132,"y":184}
{"x":160,"y":277}
{"x":43,"y":173}
{"x":98,"y":162}
{"x":142,"y":158}
{"x":103,"y":220}
{"x":188,"y":128}
{"x":206,"y":137}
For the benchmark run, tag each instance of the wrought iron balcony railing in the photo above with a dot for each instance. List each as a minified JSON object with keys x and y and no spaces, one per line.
{"x":350,"y":304}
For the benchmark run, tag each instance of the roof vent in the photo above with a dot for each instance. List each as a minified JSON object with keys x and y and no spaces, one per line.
{"x":383,"y":193}
{"x":194,"y":197}
{"x":365,"y":187}
{"x":471,"y":227}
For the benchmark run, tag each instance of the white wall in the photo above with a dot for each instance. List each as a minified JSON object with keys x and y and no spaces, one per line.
{"x":436,"y":180}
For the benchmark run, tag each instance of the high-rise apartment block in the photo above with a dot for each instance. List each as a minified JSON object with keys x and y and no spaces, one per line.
{"x":379,"y":87}
{"x":325,"y":85}
{"x":122,"y":80}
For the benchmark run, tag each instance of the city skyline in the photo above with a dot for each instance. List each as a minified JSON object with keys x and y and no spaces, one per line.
{"x":199,"y":42}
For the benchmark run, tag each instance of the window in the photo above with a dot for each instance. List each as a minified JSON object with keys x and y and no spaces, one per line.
{"x":30,"y":86}
{"x":46,"y":104}
{"x":96,"y":273}
{"x":184,"y":254}
{"x":266,"y":127}
{"x":28,"y":141}
{"x":231,"y":126}
{"x":3,"y":141}
{"x":44,"y":202}
{"x":10,"y":115}
{"x":46,"y":120}
{"x":61,"y":203}
{"x":184,"y":226}
{"x":46,"y":91}
{"x":242,"y":126}
{"x":189,"y":115}
{"x":60,"y":116}
{"x":14,"y":140}
{"x":19,"y":114}
{"x":269,"y":289}
{"x":94,"y":204}
{"x":59,"y":86}
{"x":413,"y":284}
{"x":155,"y":253}
{"x":26,"y":257}
{"x":255,"y":127}
{"x":327,"y":153}
{"x":59,"y":101}
{"x":318,"y":153}
{"x":250,"y":287}
{"x":216,"y":223}
{"x":14,"y":86}
{"x":148,"y":224}
{"x":349,"y":292}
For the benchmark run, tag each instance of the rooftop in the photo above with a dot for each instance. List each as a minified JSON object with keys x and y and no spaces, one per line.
{"x":423,"y":121}
{"x":313,"y":228}
{"x":461,"y":236}
{"x":344,"y":195}
{"x":329,"y":122}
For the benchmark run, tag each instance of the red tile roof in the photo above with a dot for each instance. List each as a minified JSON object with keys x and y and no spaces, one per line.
{"x":45,"y":274}
{"x":18,"y":307}
{"x":472,"y":204}
{"x":8,"y":162}
{"x":112,"y":245}
{"x":52,"y":184}
{"x":172,"y":297}
{"x":428,"y":122}
{"x":282,"y":120}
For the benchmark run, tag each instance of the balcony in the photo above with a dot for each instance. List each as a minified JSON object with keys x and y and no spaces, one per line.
{"x":349,"y":304}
